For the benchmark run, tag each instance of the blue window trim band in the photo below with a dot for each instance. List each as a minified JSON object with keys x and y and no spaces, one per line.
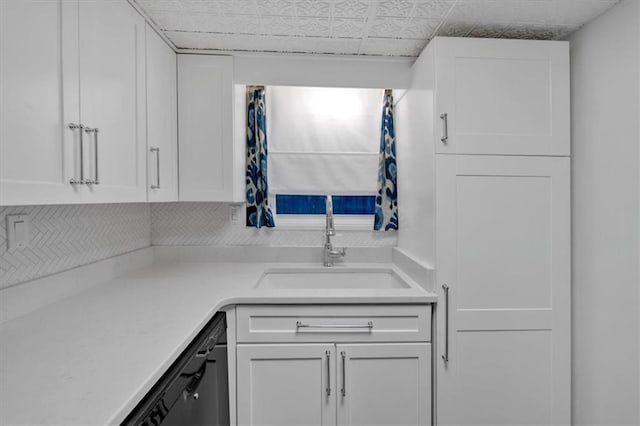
{"x":315,"y":204}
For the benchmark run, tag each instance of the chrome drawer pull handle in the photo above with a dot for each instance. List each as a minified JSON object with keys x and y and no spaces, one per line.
{"x":94,"y":130}
{"x":328,"y":353}
{"x":157,"y":151}
{"x":343,"y":391}
{"x":445,"y":128}
{"x":81,"y":181}
{"x":445,"y":357}
{"x":368,"y":326}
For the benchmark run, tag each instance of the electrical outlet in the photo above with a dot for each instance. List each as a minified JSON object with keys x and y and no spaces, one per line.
{"x":235,"y":211}
{"x":17,"y":231}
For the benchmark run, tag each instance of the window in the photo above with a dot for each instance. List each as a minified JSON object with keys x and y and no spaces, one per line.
{"x":323,"y":141}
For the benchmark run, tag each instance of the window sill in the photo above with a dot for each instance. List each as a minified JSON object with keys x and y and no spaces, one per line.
{"x":318,"y":222}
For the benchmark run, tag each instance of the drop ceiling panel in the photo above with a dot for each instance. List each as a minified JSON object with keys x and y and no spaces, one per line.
{"x":360,"y":27}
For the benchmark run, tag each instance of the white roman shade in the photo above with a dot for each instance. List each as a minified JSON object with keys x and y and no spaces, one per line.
{"x":323,"y":140}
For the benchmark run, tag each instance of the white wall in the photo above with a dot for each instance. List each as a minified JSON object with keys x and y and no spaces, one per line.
{"x":416,"y":162}
{"x":605,"y":139}
{"x":327,"y":71}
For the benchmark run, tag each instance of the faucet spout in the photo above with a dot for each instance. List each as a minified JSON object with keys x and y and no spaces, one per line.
{"x":329,"y":228}
{"x":329,"y":254}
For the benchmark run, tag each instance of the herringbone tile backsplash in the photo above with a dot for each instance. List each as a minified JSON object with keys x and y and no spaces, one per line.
{"x":208,"y":224}
{"x":65,"y":236}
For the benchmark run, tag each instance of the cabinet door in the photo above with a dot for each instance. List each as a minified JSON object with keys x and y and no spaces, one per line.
{"x":112,"y":99}
{"x":162,"y":120}
{"x":205,"y":128}
{"x":286,"y":385}
{"x":503,"y":250}
{"x":502,"y":96}
{"x":39,"y":86}
{"x":384,"y":384}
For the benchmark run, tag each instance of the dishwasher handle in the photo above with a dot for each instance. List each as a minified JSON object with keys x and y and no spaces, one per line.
{"x":190,"y":391}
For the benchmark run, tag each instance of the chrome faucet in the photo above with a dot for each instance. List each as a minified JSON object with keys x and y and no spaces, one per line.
{"x":329,"y":253}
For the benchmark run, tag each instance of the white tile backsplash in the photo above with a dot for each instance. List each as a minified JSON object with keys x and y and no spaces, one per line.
{"x":63,"y":237}
{"x":208,"y":224}
{"x":66,"y":236}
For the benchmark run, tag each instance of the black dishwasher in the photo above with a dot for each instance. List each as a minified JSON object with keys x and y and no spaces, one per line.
{"x":195,"y":389}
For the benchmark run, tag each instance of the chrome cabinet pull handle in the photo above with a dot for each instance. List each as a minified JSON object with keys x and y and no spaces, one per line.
{"x":445,"y":128}
{"x":328,"y":353}
{"x":367,"y":326}
{"x":81,"y":181}
{"x":157,"y":151}
{"x":445,"y":357}
{"x":96,"y":180}
{"x":343,"y":391}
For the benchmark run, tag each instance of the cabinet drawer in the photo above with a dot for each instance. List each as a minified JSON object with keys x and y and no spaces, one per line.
{"x":334,"y":323}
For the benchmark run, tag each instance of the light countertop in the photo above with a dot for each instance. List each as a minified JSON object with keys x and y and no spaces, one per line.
{"x":90,"y":358}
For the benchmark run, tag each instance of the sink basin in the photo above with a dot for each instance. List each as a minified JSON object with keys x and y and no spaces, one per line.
{"x":327,"y":278}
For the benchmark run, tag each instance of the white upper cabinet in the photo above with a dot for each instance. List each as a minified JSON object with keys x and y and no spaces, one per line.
{"x":208,"y":156}
{"x":39,"y":153}
{"x":112,"y":100}
{"x":162,"y":120}
{"x":506,"y":97}
{"x":73,"y":102}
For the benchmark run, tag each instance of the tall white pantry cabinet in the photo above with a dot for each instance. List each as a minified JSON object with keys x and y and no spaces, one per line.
{"x":492,"y":117}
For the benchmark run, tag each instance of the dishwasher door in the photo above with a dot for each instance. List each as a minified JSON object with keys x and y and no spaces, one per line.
{"x":208,"y":402}
{"x":194,"y":391}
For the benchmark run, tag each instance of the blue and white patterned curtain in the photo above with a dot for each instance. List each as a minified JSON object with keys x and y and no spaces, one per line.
{"x":386,"y":216}
{"x":258,"y":210}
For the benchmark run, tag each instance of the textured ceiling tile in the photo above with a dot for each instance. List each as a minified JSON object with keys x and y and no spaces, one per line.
{"x":235,"y":25}
{"x":238,"y":7}
{"x":432,"y":9}
{"x":170,"y":5}
{"x":419,"y":28}
{"x":283,"y":25}
{"x":314,"y":27}
{"x":278,"y":25}
{"x":171,"y":21}
{"x":395,"y":8}
{"x":536,"y":33}
{"x":190,"y":40}
{"x":351,"y":8}
{"x":484,"y":10}
{"x":327,"y":45}
{"x":311,"y":8}
{"x":208,"y":23}
{"x":348,"y":28}
{"x":387,"y":28}
{"x":276,"y":7}
{"x":490,"y":31}
{"x":455,"y":29}
{"x":204,"y":6}
{"x":392,"y":47}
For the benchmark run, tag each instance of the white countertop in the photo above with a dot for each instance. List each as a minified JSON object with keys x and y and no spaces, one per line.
{"x":90,"y":358}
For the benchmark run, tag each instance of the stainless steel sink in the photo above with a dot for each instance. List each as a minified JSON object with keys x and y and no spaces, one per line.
{"x":328,"y":278}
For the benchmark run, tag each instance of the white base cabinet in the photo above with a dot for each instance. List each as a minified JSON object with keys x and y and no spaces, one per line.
{"x":338,"y":372}
{"x":286,"y":385}
{"x":384,"y":384}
